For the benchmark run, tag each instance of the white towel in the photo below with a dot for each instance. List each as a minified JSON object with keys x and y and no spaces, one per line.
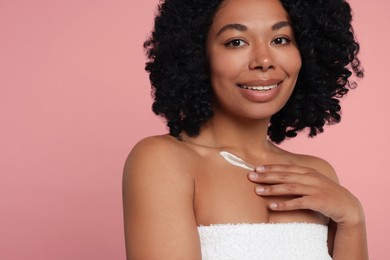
{"x":280,"y":241}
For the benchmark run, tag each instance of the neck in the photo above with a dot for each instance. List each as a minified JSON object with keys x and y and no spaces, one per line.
{"x":244,"y":136}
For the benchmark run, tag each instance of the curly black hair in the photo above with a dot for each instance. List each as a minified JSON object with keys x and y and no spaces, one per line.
{"x":179,"y":75}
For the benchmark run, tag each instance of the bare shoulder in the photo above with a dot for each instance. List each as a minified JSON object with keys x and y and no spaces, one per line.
{"x":158,"y":201}
{"x":155,"y":149}
{"x":163,"y":153}
{"x":318,"y":164}
{"x":157,"y":163}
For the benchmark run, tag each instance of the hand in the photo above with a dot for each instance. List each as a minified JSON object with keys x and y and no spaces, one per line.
{"x":310,"y":189}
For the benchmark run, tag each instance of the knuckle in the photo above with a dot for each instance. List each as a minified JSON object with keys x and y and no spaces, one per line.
{"x":310,"y":174}
{"x":282,"y":205}
{"x":284,"y":167}
{"x":283,"y":175}
{"x":298,"y":203}
{"x":291,"y":187}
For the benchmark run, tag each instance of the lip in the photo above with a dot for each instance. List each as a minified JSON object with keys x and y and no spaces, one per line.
{"x":261,"y":83}
{"x":261,"y":90}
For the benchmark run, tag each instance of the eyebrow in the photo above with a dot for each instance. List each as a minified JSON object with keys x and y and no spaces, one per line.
{"x":243,"y":28}
{"x":280,"y":25}
{"x":234,"y":26}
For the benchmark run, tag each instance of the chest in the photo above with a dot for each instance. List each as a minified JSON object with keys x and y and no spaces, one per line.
{"x":223,"y":194}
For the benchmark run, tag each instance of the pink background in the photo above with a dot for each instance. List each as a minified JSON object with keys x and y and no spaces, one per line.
{"x":74,"y":99}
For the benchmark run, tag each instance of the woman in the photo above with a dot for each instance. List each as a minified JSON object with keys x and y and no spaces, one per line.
{"x":237,"y":76}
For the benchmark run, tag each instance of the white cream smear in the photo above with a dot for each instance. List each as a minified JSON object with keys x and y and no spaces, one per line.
{"x":236,"y":161}
{"x":259,"y":88}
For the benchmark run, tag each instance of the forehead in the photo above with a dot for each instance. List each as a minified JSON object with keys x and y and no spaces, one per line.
{"x":241,"y":11}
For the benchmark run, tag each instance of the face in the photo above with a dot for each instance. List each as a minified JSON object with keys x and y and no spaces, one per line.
{"x":253,"y":56}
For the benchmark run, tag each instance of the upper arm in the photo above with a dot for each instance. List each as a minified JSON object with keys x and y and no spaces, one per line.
{"x":158,"y":205}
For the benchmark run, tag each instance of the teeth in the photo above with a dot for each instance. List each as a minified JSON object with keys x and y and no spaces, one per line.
{"x":259,"y":88}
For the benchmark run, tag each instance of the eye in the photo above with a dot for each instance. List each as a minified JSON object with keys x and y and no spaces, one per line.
{"x":281,"y":41}
{"x":235,"y":43}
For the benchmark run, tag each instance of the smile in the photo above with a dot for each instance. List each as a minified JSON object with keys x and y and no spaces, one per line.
{"x":259,"y":88}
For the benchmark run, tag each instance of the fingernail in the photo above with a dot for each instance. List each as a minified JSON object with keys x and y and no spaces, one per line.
{"x":253,"y":175}
{"x":273,"y":205}
{"x":260,"y":168}
{"x":260,"y":189}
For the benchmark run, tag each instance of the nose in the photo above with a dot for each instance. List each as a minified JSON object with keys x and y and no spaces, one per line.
{"x":261,"y":58}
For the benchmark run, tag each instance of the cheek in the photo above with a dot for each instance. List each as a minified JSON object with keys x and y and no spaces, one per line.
{"x":289,"y":60}
{"x":295,"y":62}
{"x":226,"y":66}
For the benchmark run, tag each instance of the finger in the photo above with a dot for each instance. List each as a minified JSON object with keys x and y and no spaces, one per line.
{"x":288,"y":205}
{"x":282,"y":168}
{"x":284,"y":190}
{"x":280,"y":177}
{"x":307,"y":203}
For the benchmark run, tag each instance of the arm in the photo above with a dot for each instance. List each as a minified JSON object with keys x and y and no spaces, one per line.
{"x":321,"y":193}
{"x":347,"y":237}
{"x":350,"y":240}
{"x":158,"y":204}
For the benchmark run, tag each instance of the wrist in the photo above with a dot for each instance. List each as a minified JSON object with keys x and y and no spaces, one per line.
{"x":356,"y":218}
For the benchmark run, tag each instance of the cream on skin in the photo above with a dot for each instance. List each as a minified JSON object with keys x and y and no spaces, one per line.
{"x":236,"y":161}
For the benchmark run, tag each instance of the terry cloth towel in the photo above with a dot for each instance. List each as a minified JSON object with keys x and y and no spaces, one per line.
{"x":280,"y":241}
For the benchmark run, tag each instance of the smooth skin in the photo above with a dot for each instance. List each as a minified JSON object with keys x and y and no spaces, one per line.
{"x":170,"y":187}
